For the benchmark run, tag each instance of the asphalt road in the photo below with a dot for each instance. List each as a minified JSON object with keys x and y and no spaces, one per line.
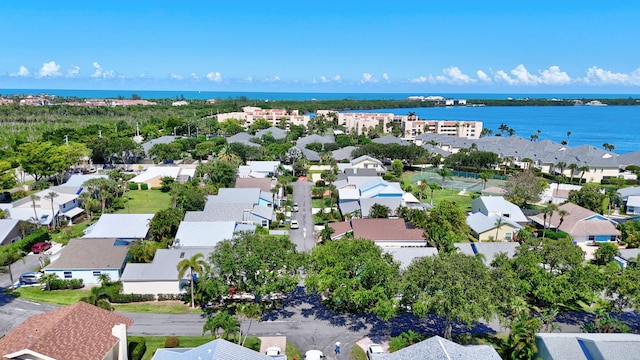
{"x":304,"y":237}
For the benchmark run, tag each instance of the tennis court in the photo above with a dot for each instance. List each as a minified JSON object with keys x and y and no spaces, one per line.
{"x":460,"y":181}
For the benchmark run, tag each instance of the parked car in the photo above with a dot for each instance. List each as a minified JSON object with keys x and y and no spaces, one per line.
{"x":294,"y":208}
{"x":294,"y":224}
{"x":274,"y":351}
{"x":41,"y":247}
{"x":30,"y":278}
{"x":374,"y":349}
{"x":314,"y":355}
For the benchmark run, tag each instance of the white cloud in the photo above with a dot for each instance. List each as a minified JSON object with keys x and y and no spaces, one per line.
{"x":420,"y":79}
{"x":23,"y":71}
{"x":368,"y":78}
{"x":385,"y":76}
{"x":553,"y":76}
{"x":214,"y":76}
{"x":599,"y":76}
{"x":272,"y":79}
{"x":482,"y":76}
{"x":248,"y":78}
{"x":453,"y":75}
{"x":98,"y":70}
{"x":502,"y":76}
{"x":73,"y":72}
{"x":194,"y":76}
{"x":325,"y":79}
{"x":50,"y":69}
{"x":176,"y":77}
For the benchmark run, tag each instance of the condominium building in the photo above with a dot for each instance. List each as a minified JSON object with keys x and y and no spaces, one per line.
{"x":250,"y":114}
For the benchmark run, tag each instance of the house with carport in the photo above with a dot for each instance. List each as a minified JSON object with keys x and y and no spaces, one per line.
{"x":153,"y":175}
{"x":87,"y":259}
{"x":10,"y":231}
{"x":492,"y":227}
{"x":384,"y":232}
{"x":124,"y":227}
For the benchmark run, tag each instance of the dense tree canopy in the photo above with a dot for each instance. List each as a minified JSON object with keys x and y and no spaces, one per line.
{"x":255,"y":263}
{"x":525,"y":188}
{"x":354,"y":276}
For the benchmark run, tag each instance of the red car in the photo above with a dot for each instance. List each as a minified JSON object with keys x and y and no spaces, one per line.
{"x":40,"y":247}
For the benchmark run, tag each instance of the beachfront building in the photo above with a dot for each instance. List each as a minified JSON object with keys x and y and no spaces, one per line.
{"x":250,"y":114}
{"x":361,"y":123}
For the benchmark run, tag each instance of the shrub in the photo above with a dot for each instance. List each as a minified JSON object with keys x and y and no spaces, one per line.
{"x":252,"y":343}
{"x":134,"y":186}
{"x":173,"y":342}
{"x":62,"y":284}
{"x":320,"y":183}
{"x":137,"y":347}
{"x":18,"y":195}
{"x":167,"y":297}
{"x":144,"y":186}
{"x":131,"y":298}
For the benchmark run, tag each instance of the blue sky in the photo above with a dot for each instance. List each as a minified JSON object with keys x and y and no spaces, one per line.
{"x":323,"y":46}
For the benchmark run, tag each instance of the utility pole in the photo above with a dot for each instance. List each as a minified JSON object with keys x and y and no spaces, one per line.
{"x":66,"y":140}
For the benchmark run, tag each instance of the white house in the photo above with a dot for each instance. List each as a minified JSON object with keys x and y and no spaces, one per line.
{"x":497,"y":205}
{"x":125,"y":227}
{"x":161,"y":275}
{"x":87,"y":259}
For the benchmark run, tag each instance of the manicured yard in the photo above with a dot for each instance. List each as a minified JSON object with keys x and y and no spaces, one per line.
{"x":56,"y":297}
{"x":158,"y":307}
{"x":145,"y":202}
{"x":156,"y":342}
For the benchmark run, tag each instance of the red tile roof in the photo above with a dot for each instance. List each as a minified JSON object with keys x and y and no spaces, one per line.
{"x":75,"y":332}
{"x":384,"y":229}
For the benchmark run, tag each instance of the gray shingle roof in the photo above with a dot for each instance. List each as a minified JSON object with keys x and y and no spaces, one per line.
{"x":344,"y":153}
{"x":124,"y":226}
{"x":304,"y":141}
{"x":161,"y":140}
{"x":390,"y":139}
{"x":276,"y":132}
{"x":580,"y":346}
{"x":164,"y":266}
{"x":437,"y":348}
{"x":218,"y":349}
{"x":367,"y":203}
{"x":91,"y":254}
{"x":200,"y":234}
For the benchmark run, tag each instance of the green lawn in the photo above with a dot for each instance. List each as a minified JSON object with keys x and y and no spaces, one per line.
{"x":463,"y":201}
{"x":56,"y":297}
{"x":158,"y":307}
{"x":156,"y":342}
{"x":145,"y":202}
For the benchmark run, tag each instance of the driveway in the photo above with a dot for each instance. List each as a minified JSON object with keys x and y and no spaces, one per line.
{"x":304,"y":237}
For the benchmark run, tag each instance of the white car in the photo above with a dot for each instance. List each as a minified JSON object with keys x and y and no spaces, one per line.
{"x":313,"y":355}
{"x":294,"y":224}
{"x":273,"y":351}
{"x":374,"y":349}
{"x":295,"y":208}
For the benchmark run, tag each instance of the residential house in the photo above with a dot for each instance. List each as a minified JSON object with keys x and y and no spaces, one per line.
{"x":124,"y":227}
{"x":390,"y":139}
{"x":218,"y":349}
{"x":10,"y":231}
{"x":584,"y":346}
{"x":364,"y":162}
{"x":146,"y":146}
{"x":264,"y":184}
{"x":488,"y":250}
{"x":161,"y":275}
{"x":392,"y":203}
{"x":62,"y":206}
{"x":261,"y":169}
{"x":384,"y":232}
{"x":42,"y":217}
{"x":498,"y":205}
{"x":153,"y":175}
{"x":633,"y":204}
{"x":492,"y":227}
{"x":584,"y":225}
{"x":203,"y":234}
{"x":244,"y":205}
{"x":276,"y":132}
{"x":628,"y":191}
{"x":75,"y":332}
{"x":87,"y":259}
{"x":406,"y":255}
{"x":437,"y":348}
{"x":242,"y":138}
{"x":343,"y":153}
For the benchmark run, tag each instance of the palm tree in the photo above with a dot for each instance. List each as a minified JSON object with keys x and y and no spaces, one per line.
{"x":422,"y":187}
{"x":444,"y":173}
{"x":561,"y":165}
{"x":583,"y":170}
{"x":5,"y":214}
{"x":222,"y":321}
{"x":485,"y":176}
{"x":568,"y":134}
{"x":50,"y":196}
{"x":249,"y":311}
{"x":325,"y":233}
{"x":433,"y":186}
{"x":498,"y":224}
{"x":195,"y":264}
{"x":10,"y":256}
{"x":502,"y":128}
{"x":99,"y":297}
{"x":511,"y":131}
{"x":35,"y":198}
{"x":562,"y":213}
{"x":548,"y":212}
{"x":573,"y":167}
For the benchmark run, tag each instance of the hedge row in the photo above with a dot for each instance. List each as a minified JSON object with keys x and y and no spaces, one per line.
{"x":137,"y":347}
{"x":60,"y":284}
{"x":131,"y":298}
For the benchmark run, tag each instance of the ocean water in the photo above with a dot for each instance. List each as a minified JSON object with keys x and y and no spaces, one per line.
{"x":203,"y":95}
{"x":592,"y":125}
